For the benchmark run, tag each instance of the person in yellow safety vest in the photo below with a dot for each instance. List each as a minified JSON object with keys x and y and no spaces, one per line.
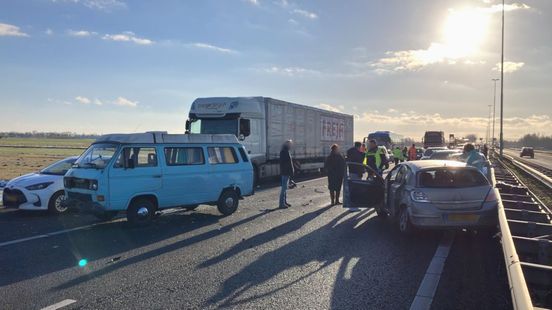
{"x":397,"y":155}
{"x":376,"y":158}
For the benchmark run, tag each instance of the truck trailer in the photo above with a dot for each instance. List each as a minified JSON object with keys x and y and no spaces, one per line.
{"x":263,"y":124}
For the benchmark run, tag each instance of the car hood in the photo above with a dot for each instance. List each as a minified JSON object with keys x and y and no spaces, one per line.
{"x":32,"y":178}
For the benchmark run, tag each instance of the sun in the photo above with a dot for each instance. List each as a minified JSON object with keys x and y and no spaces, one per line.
{"x":465,"y":31}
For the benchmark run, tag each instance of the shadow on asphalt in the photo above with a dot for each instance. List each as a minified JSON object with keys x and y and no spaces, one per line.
{"x":387,"y":265}
{"x":107,"y":241}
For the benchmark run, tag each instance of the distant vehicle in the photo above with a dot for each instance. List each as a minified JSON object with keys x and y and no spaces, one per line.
{"x":42,"y":190}
{"x":527,"y":151}
{"x":434,"y":139}
{"x":444,"y":154}
{"x":263,"y":124}
{"x":384,"y":138}
{"x":428,"y":151}
{"x":427,"y":194}
{"x":419,"y":153}
{"x":142,"y":173}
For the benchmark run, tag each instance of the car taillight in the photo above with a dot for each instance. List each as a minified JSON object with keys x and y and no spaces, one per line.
{"x":419,"y":196}
{"x":491,"y":196}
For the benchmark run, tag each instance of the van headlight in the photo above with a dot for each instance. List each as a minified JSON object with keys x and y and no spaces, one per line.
{"x":93,"y":185}
{"x":38,"y":186}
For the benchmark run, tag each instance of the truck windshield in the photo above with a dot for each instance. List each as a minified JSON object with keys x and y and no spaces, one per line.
{"x":215,"y":126}
{"x":96,"y":156}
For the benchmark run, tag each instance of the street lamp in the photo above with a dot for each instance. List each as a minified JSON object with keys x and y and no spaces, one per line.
{"x":494,"y":113}
{"x":488,"y":126}
{"x":502,"y":88}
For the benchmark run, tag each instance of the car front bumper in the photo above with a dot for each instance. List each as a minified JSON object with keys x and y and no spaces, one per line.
{"x":23,"y":199}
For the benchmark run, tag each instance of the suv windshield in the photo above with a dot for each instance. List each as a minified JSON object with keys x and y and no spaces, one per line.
{"x":59,"y":168}
{"x":96,"y":156}
{"x":451,"y":178}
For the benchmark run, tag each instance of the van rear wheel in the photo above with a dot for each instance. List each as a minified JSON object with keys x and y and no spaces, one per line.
{"x":140,"y":212}
{"x":228,"y":202}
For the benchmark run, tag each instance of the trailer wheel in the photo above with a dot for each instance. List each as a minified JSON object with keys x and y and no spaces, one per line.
{"x":228,"y":202}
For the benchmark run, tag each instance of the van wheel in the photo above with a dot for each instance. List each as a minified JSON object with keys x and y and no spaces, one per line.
{"x":228,"y":202}
{"x":105,"y":215}
{"x":405,"y":226}
{"x":140,"y":212}
{"x":55,"y":205}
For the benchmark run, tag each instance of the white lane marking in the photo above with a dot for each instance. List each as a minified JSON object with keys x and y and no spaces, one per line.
{"x":59,"y":232}
{"x":428,"y":287}
{"x":349,"y":269}
{"x":60,"y":304}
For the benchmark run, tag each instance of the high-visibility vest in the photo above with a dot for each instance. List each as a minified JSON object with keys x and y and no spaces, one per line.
{"x":377,"y":155}
{"x":397,"y":153}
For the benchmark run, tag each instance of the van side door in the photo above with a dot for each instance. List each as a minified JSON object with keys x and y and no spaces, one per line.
{"x":224,"y":169}
{"x":135,"y":171}
{"x":185,"y":175}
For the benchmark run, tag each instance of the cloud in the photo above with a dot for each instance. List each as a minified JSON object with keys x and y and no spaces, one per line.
{"x":98,"y":102}
{"x":330,"y":107}
{"x":105,"y":5}
{"x":290,"y":71}
{"x":83,"y":100}
{"x":304,"y":13}
{"x":127,"y":36}
{"x":509,"y":66}
{"x":122,"y":101}
{"x":49,"y":31}
{"x":81,"y":33}
{"x":253,"y":2}
{"x":463,"y":35}
{"x":7,"y":30}
{"x":212,"y":48}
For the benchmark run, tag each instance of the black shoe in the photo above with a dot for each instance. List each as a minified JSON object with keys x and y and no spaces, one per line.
{"x":287,"y":204}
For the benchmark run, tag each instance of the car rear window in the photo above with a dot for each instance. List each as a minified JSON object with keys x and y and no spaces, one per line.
{"x":451,"y":178}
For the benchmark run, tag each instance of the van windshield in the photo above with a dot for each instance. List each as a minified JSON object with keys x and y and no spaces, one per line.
{"x":96,"y":156}
{"x":215,"y":126}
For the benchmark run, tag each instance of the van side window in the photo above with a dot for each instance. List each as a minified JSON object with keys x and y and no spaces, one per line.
{"x":243,"y":154}
{"x":181,"y":156}
{"x":222,"y":155}
{"x":142,"y":157}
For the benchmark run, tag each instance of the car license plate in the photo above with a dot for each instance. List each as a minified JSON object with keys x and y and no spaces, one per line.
{"x":10,"y":198}
{"x":463,"y":217}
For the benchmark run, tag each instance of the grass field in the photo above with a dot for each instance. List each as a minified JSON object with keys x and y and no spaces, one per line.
{"x":35,"y":154}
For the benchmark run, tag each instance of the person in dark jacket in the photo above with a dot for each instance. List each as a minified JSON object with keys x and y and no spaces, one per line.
{"x":356,"y":155}
{"x":335,"y":167}
{"x":286,"y":171}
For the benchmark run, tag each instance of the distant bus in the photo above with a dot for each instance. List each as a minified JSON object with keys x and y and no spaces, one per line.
{"x":385,"y":138}
{"x":434,"y":139}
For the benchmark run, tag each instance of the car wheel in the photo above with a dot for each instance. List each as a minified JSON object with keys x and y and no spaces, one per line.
{"x":405,"y":226}
{"x":140,"y":212}
{"x":228,"y":202}
{"x":105,"y":215}
{"x":55,"y":205}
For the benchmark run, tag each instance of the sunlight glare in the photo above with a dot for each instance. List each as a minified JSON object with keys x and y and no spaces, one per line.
{"x":465,"y":31}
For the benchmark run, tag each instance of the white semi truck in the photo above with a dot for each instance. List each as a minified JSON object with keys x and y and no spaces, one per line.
{"x":263,"y":124}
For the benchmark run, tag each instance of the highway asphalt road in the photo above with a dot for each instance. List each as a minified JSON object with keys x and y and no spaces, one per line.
{"x":311,"y":256}
{"x":543,"y":159}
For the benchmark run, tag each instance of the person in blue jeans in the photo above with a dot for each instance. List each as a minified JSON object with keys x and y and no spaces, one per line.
{"x":286,"y":171}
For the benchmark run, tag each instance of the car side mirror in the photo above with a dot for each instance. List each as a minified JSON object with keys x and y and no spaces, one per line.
{"x":245,"y":128}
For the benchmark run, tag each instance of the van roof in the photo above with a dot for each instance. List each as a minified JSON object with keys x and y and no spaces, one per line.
{"x":164,"y":137}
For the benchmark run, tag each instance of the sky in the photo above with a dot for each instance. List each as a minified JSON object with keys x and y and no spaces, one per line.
{"x":102,"y":66}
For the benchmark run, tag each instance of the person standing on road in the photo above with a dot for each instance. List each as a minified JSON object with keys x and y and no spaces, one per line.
{"x":412,"y":152}
{"x":405,"y":153}
{"x":485,"y":150}
{"x":397,"y":155}
{"x":474,"y":158}
{"x":376,"y":158}
{"x":286,"y":171}
{"x":355,"y":155}
{"x":335,"y":167}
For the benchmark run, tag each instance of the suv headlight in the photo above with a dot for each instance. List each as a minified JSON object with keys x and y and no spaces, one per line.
{"x":38,"y":186}
{"x":93,"y":185}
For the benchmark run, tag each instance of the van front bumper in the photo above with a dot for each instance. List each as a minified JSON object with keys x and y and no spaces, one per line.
{"x":82,"y":202}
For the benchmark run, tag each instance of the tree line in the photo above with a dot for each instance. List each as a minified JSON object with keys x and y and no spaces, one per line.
{"x":50,"y":135}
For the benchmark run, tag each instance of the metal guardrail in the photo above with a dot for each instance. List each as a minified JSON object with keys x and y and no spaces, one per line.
{"x":544,"y":179}
{"x":526,"y":235}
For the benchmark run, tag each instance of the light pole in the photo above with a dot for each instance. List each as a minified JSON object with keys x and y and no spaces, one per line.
{"x":494,"y":113}
{"x":488,"y":126}
{"x":502,"y":88}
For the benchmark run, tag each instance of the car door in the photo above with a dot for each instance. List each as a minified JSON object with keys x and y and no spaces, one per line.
{"x":142,"y":175}
{"x":361,"y":193}
{"x":395,"y":185}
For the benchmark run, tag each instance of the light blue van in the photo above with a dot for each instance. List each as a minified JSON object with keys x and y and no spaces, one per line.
{"x":142,"y":173}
